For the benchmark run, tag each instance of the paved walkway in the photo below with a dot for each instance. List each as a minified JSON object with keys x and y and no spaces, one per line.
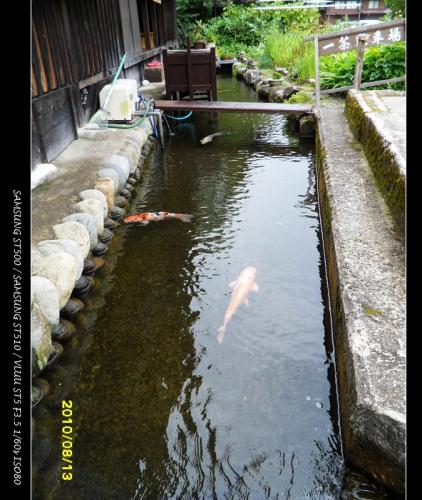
{"x":77,"y":169}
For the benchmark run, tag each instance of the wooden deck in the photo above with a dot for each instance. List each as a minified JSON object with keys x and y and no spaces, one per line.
{"x":234,"y":107}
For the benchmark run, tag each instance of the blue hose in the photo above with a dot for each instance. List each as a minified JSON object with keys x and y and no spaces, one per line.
{"x":179,"y":117}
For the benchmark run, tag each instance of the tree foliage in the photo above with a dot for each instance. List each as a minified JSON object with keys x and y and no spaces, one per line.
{"x":398,"y":7}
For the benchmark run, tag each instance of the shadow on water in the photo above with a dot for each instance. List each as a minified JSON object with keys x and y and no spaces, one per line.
{"x":161,"y":410}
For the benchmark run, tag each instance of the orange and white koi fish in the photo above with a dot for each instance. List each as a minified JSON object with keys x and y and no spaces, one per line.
{"x":146,"y":217}
{"x":241,"y":288}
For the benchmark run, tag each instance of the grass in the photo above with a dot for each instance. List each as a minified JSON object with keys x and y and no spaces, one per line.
{"x":288,"y":50}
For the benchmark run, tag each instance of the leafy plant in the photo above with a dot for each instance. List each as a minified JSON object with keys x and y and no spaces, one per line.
{"x":380,"y":63}
{"x":398,"y":7}
{"x":198,"y":32}
{"x":237,"y":25}
{"x":300,"y":97}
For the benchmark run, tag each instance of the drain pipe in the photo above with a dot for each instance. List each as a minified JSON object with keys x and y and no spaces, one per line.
{"x":157,"y":113}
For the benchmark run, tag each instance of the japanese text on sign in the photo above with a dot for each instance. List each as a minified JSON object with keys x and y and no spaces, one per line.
{"x":345,"y":42}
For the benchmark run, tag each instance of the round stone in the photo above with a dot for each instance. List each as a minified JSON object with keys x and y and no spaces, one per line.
{"x":64,"y":331}
{"x":110,"y":173}
{"x":60,"y":269}
{"x":90,"y":224}
{"x":94,"y":208}
{"x":46,"y":297}
{"x":125,"y":193}
{"x":99,"y":249}
{"x":95,"y":194}
{"x":106,"y":186}
{"x":48,"y":247}
{"x":72,"y":307}
{"x":82,"y":286}
{"x":120,"y":201}
{"x":110,"y":224}
{"x":116,"y":213}
{"x":75,"y":231}
{"x":40,"y":340}
{"x":106,"y":236}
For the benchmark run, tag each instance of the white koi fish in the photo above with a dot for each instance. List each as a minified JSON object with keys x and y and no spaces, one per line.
{"x":241,"y":288}
{"x":209,"y":138}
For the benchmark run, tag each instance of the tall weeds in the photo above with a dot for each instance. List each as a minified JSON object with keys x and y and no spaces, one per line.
{"x":288,"y":50}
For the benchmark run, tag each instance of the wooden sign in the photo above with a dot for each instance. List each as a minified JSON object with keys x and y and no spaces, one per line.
{"x":380,"y":34}
{"x":342,"y":41}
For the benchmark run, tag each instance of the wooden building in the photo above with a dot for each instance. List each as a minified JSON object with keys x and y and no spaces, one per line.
{"x":365,"y":10}
{"x":76,"y":49}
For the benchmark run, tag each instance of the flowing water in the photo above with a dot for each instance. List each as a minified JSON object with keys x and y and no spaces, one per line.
{"x":161,"y":410}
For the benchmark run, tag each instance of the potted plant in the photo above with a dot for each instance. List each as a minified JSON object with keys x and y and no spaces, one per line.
{"x":198,"y":36}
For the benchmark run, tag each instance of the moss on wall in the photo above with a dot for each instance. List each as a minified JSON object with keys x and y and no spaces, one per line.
{"x":359,"y":453}
{"x":389,"y":180}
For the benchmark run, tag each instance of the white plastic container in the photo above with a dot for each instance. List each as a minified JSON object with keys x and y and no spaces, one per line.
{"x":121,"y":104}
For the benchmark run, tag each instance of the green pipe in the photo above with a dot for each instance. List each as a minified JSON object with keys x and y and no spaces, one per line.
{"x":133,"y":125}
{"x":136,"y":124}
{"x":116,"y":76}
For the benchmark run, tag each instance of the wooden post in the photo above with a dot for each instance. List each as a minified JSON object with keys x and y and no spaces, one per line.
{"x":189,"y":69}
{"x":213,"y":75}
{"x":359,"y":62}
{"x":317,"y":89}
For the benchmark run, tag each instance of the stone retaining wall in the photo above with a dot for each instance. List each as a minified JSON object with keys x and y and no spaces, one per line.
{"x":64,"y":261}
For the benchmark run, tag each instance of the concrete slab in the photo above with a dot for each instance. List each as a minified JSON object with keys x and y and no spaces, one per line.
{"x":395,"y":104}
{"x":378,"y":121}
{"x":77,"y":168}
{"x":154,"y":90}
{"x":366,"y":268}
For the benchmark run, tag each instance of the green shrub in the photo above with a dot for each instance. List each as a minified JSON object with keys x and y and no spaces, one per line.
{"x":243,"y":25}
{"x":300,"y":98}
{"x":297,"y":20}
{"x":237,"y":25}
{"x":380,"y":63}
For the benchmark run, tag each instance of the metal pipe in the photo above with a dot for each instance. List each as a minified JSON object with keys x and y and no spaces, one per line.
{"x":157,"y":113}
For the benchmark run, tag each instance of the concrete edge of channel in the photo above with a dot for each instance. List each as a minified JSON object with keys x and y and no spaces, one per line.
{"x":373,"y":436}
{"x":387,"y":163}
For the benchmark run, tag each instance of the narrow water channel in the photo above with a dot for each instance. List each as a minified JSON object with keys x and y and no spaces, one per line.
{"x":161,"y":409}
